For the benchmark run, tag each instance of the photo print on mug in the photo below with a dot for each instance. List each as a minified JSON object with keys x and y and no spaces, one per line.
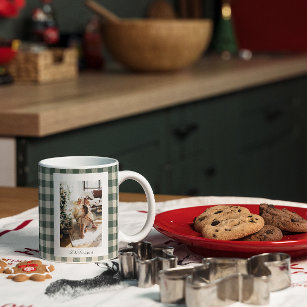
{"x":80,"y":215}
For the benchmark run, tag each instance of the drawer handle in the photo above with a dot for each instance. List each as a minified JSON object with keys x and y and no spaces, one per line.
{"x":210,"y":171}
{"x":183,"y":132}
{"x":273,"y":115}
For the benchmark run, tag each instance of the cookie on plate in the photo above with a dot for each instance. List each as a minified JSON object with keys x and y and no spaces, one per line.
{"x":226,"y":228}
{"x":282,"y":218}
{"x":266,"y":233}
{"x":217,"y":211}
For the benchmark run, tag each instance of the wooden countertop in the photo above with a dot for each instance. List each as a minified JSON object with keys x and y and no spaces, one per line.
{"x":41,"y":110}
{"x":17,"y":200}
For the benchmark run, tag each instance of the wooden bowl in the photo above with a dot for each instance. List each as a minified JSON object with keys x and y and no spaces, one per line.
{"x":151,"y":45}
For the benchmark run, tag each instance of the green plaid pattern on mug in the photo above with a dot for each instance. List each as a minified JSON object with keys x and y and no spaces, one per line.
{"x":46,"y":212}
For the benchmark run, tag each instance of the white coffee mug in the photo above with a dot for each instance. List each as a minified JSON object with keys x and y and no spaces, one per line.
{"x":78,"y":208}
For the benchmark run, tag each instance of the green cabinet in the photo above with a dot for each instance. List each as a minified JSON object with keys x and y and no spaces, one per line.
{"x":248,"y":143}
{"x":301,"y":118}
{"x":137,"y":143}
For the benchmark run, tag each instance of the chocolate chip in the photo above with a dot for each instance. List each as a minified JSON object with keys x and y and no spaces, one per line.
{"x":252,"y":221}
{"x":214,"y":235}
{"x":216,"y":230}
{"x":217,"y":212}
{"x":250,"y":216}
{"x":227,"y":229}
{"x":239,"y":210}
{"x":202,"y":218}
{"x":295,"y":220}
{"x":269,"y":232}
{"x":215,"y":222}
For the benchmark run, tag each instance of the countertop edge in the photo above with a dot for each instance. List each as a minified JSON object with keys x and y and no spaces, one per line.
{"x":46,"y":119}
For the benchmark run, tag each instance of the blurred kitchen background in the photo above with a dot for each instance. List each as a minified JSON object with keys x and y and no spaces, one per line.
{"x":72,"y":15}
{"x":212,"y":103}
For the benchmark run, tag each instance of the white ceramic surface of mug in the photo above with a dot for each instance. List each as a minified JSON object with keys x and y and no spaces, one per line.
{"x":78,"y":208}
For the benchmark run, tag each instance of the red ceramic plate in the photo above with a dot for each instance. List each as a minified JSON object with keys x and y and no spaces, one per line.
{"x":177,"y":224}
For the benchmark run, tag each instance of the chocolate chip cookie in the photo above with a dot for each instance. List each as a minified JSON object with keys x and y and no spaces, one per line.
{"x":225,"y":228}
{"x":216,"y":212}
{"x":267,"y":233}
{"x":282,"y":218}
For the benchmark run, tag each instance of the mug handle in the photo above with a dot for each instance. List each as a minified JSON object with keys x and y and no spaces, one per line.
{"x":125,"y":175}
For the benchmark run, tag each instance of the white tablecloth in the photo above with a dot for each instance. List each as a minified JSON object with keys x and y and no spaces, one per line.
{"x":19,"y":242}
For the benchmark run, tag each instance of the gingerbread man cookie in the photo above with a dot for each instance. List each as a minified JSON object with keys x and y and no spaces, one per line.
{"x":34,"y":270}
{"x":2,"y":265}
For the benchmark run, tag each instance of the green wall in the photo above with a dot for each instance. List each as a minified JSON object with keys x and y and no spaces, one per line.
{"x":72,"y":15}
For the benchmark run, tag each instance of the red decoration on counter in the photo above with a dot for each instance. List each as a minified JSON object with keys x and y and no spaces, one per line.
{"x":44,"y":25}
{"x":11,"y":8}
{"x":92,"y":44}
{"x":51,"y":35}
{"x":6,"y":54}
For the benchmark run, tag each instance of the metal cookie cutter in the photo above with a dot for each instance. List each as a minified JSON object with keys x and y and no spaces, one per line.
{"x":223,"y":281}
{"x":143,"y":262}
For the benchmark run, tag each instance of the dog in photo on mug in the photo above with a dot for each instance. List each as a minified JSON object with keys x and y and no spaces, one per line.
{"x":86,"y":221}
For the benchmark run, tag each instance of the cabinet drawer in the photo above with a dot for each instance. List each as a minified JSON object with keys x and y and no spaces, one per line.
{"x":249,"y":118}
{"x":271,"y":171}
{"x":189,"y":131}
{"x":149,"y":162}
{"x":265,"y":117}
{"x":193,"y":176}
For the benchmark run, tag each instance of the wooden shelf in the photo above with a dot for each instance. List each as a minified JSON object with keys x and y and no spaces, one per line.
{"x":41,"y":110}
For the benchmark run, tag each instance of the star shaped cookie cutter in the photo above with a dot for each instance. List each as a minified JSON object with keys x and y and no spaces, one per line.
{"x":216,"y":282}
{"x":222,"y":281}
